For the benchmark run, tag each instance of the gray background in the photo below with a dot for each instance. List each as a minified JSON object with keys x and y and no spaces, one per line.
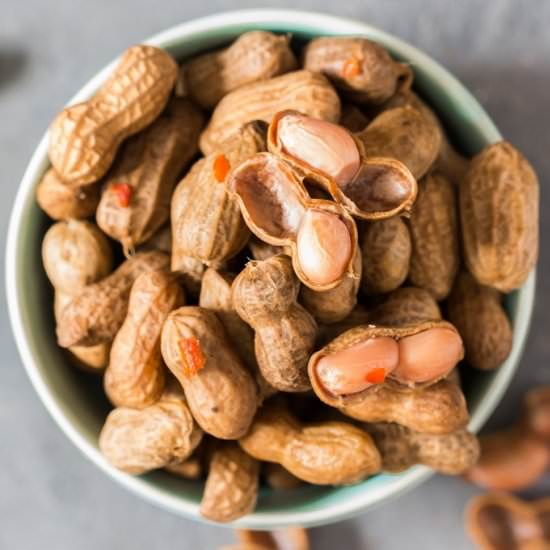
{"x":50,"y":496}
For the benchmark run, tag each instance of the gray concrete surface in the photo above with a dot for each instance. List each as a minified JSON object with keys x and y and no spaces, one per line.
{"x":50,"y":496}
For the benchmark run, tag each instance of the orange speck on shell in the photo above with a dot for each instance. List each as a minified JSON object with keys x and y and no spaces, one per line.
{"x":221,"y":167}
{"x":192,"y":357}
{"x":351,"y":67}
{"x":123,"y":192}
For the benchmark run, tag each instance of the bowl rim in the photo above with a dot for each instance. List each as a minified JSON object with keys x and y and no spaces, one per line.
{"x":178,"y":503}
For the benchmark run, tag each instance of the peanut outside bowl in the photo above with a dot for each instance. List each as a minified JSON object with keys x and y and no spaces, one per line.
{"x":76,"y":401}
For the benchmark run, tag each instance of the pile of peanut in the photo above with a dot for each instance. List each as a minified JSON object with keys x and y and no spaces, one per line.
{"x":276,"y":260}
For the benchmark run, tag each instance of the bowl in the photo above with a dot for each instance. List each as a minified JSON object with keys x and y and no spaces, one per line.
{"x":76,"y":401}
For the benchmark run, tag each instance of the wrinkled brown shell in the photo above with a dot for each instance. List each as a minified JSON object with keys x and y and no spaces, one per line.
{"x":355,"y":336}
{"x":261,"y":250}
{"x":253,"y":57}
{"x":303,"y":91}
{"x":231,"y":487}
{"x":222,"y":395}
{"x":386,"y":251}
{"x":190,"y":468}
{"x":273,"y":201}
{"x":139,"y":441}
{"x":337,"y":303}
{"x":481,"y":320}
{"x":150,"y":164}
{"x":405,"y":134}
{"x":61,"y":201}
{"x":328,"y":453}
{"x":381,"y":188}
{"x":264,"y":296}
{"x":498,"y":520}
{"x":206,"y":220}
{"x":406,"y":306}
{"x":359,"y":315}
{"x":434,"y":231}
{"x":75,"y":254}
{"x":437,"y":409}
{"x":378,"y":75}
{"x":161,"y":241}
{"x":401,"y":448}
{"x":352,"y":118}
{"x":84,"y":138}
{"x":135,"y":375}
{"x":97,"y":312}
{"x":499,"y":209}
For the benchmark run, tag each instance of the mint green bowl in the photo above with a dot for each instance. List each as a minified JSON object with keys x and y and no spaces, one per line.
{"x":77,"y":404}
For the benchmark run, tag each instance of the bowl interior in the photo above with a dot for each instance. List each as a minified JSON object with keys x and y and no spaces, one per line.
{"x":76,"y":400}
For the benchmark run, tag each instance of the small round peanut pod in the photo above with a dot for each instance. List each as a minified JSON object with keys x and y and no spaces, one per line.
{"x":139,"y":441}
{"x":75,"y":254}
{"x":220,"y":390}
{"x":62,"y":202}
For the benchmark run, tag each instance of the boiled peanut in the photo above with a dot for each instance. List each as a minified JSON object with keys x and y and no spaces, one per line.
{"x":479,"y":316}
{"x":303,"y":91}
{"x":231,"y":487}
{"x":97,"y":312}
{"x":499,"y":209}
{"x":75,"y":254}
{"x":264,"y":296}
{"x":329,"y":453}
{"x":386,"y":252}
{"x":135,"y":375}
{"x":221,"y":392}
{"x":498,"y":521}
{"x":62,"y":202}
{"x":433,"y":227}
{"x":135,"y":201}
{"x":84,"y":138}
{"x":401,"y":448}
{"x":360,"y":68}
{"x":137,"y":441}
{"x":352,"y":118}
{"x":254,"y":56}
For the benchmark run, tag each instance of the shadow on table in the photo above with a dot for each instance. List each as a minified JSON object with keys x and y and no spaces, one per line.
{"x":13,"y":61}
{"x":340,"y":535}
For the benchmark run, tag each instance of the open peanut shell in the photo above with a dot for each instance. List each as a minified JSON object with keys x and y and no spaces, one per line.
{"x":370,"y":188}
{"x":364,"y":333}
{"x":274,"y":201}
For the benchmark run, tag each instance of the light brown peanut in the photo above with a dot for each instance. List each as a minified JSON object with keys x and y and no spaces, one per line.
{"x":253,"y":57}
{"x":386,"y":251}
{"x":137,"y":441}
{"x":497,"y":521}
{"x":434,"y":230}
{"x":84,"y":138}
{"x":401,"y":448}
{"x":303,"y":91}
{"x":190,"y":468}
{"x":206,"y":221}
{"x":437,"y":409}
{"x":328,"y":453}
{"x":405,"y":134}
{"x":264,"y":296}
{"x":360,"y":68}
{"x":220,"y":390}
{"x":231,"y":487}
{"x":137,"y":191}
{"x":291,"y":538}
{"x":499,"y":209}
{"x":536,"y":416}
{"x":62,"y":202}
{"x":97,"y":312}
{"x":135,"y":376}
{"x":75,"y":253}
{"x":479,"y":316}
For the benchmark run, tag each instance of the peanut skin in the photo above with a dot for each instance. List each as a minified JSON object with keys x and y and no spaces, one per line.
{"x":62,"y":202}
{"x":75,"y":254}
{"x":97,"y":312}
{"x":254,"y":56}
{"x":231,"y":487}
{"x":329,"y":453}
{"x":135,"y":375}
{"x":264,"y":296}
{"x":402,"y":448}
{"x":139,"y":441}
{"x":220,"y":390}
{"x":84,"y":138}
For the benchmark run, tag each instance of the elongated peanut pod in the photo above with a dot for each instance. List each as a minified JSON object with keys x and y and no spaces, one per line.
{"x":323,"y":246}
{"x":323,"y":145}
